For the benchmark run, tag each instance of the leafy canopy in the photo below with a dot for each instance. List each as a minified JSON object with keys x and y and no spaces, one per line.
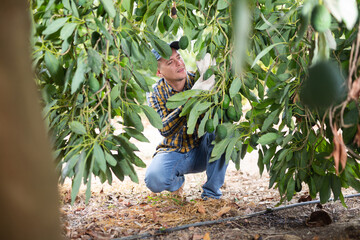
{"x":93,"y":62}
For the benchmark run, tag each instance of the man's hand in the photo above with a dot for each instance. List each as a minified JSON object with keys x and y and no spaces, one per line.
{"x":203,"y":65}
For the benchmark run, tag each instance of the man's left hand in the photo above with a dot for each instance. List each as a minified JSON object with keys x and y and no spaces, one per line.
{"x":203,"y":65}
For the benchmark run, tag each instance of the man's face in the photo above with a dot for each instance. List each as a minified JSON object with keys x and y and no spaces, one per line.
{"x":173,"y":69}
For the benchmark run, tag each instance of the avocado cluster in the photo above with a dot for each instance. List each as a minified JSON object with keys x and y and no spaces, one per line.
{"x":225,"y":112}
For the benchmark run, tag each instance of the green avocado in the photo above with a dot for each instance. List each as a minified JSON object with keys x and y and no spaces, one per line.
{"x":324,"y":87}
{"x":298,"y":186}
{"x":94,"y":84}
{"x":183,"y":42}
{"x":232,"y":114}
{"x":320,"y":18}
{"x":221,"y":132}
{"x":226,"y":102}
{"x":209,"y":126}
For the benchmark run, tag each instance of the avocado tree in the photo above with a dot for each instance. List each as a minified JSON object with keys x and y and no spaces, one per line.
{"x":290,"y":66}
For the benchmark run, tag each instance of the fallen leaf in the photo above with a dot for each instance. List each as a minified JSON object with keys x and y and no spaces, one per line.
{"x":206,"y":236}
{"x":318,"y":219}
{"x":153,"y":210}
{"x":257,"y":237}
{"x":223,"y":211}
{"x":128,"y":204}
{"x":197,"y":236}
{"x":201,"y":209}
{"x":305,"y":198}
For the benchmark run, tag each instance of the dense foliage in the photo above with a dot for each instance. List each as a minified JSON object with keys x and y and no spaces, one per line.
{"x":93,"y":62}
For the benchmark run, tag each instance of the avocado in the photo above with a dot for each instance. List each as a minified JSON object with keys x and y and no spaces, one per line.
{"x":320,"y":18}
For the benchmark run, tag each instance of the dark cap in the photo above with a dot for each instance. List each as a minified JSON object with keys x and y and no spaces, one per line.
{"x":174,"y":45}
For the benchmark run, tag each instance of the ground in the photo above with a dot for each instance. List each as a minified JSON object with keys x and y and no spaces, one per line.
{"x":126,"y":210}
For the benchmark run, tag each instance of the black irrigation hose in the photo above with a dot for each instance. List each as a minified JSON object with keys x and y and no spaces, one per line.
{"x":198,"y":224}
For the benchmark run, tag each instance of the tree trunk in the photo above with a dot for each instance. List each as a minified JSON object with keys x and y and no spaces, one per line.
{"x":29,"y":199}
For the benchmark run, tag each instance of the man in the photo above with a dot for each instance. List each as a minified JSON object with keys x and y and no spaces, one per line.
{"x":179,"y":153}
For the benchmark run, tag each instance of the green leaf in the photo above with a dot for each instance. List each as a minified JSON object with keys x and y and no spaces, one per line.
{"x":94,"y":61}
{"x":269,"y":154}
{"x":138,"y":162}
{"x":136,"y":134}
{"x":127,"y":4}
{"x":260,"y":162}
{"x":131,"y":118}
{"x":161,"y":7}
{"x":110,"y":159}
{"x":230,"y":149}
{"x":173,"y":105}
{"x":135,"y":51}
{"x":219,"y":149}
{"x":79,"y":75}
{"x":325,"y":190}
{"x":269,"y":120}
{"x":201,"y":130}
{"x":290,"y":189}
{"x":195,"y":112}
{"x":125,"y":167}
{"x":109,"y":176}
{"x":235,"y":87}
{"x":77,"y":128}
{"x":268,"y":138}
{"x":336,"y":186}
{"x":188,"y":106}
{"x":54,"y":67}
{"x":66,"y":4}
{"x":126,"y":148}
{"x":222,"y":4}
{"x":78,"y":176}
{"x":264,"y":52}
{"x":153,"y":116}
{"x":118,"y":172}
{"x":192,"y":120}
{"x":109,"y":7}
{"x":319,"y":170}
{"x":181,"y":96}
{"x":113,"y":71}
{"x":99,"y":157}
{"x":160,"y":46}
{"x":140,"y":80}
{"x":88,"y":185}
{"x":104,"y":31}
{"x":74,"y":9}
{"x":312,"y":187}
{"x":67,"y":30}
{"x":55,"y":26}
{"x":117,"y":20}
{"x":70,"y":165}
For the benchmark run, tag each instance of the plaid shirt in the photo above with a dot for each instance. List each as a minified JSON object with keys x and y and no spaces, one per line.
{"x":174,"y":127}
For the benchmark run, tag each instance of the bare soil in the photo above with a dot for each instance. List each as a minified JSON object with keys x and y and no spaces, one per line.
{"x":126,"y":210}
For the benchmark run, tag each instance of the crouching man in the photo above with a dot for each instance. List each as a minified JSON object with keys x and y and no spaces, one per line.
{"x":179,"y":153}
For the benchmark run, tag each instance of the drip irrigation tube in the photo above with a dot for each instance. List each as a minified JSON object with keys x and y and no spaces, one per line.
{"x":198,"y":224}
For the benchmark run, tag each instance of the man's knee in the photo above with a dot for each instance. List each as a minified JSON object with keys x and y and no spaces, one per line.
{"x":155,"y":181}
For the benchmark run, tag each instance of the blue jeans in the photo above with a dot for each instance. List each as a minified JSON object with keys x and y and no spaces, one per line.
{"x":167,"y":169}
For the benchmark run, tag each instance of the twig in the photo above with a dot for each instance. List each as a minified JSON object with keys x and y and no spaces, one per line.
{"x":106,"y":93}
